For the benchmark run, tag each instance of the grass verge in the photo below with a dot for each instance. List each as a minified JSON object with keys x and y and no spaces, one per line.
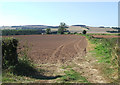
{"x":71,"y":76}
{"x":105,"y":51}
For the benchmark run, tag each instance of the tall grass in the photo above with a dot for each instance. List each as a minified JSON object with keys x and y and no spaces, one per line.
{"x":106,"y":52}
{"x":72,"y":76}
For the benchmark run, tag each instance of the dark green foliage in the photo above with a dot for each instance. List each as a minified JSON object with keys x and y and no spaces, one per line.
{"x":68,"y":32}
{"x":84,"y":32}
{"x":62,"y":28}
{"x":48,"y":31}
{"x":21,"y":32}
{"x":75,"y":32}
{"x":9,"y":52}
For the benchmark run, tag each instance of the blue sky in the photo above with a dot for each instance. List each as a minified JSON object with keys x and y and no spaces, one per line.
{"x":52,"y":13}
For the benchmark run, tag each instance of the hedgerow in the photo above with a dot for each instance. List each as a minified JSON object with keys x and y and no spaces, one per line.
{"x":7,"y":32}
{"x":9,"y":52}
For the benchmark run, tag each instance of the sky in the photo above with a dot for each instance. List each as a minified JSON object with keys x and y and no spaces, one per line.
{"x":52,"y":13}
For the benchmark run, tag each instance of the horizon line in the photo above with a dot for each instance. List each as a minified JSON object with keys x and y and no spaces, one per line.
{"x":56,"y":25}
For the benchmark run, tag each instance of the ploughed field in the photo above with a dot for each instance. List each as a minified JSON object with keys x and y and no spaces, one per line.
{"x":106,"y":36}
{"x":53,"y":48}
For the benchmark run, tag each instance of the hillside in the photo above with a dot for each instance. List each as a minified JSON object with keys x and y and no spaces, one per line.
{"x":101,"y":30}
{"x":72,"y":29}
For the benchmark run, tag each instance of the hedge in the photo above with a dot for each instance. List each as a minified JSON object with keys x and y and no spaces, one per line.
{"x":7,"y":32}
{"x":9,"y":52}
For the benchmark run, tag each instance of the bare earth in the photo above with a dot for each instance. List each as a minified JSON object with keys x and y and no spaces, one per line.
{"x":106,"y":36}
{"x":53,"y":48}
{"x":51,"y":52}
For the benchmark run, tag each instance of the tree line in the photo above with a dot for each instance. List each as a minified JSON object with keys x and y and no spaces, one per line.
{"x":21,"y":32}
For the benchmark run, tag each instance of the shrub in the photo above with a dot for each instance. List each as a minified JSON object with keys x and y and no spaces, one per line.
{"x":75,"y":32}
{"x":84,"y":32}
{"x":9,"y":52}
{"x":48,"y":31}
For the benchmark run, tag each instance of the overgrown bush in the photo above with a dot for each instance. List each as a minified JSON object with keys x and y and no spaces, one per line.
{"x":84,"y":32}
{"x":9,"y":52}
{"x":75,"y":32}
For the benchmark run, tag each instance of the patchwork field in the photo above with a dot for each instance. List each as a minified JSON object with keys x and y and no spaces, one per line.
{"x":101,"y":30}
{"x":89,"y":30}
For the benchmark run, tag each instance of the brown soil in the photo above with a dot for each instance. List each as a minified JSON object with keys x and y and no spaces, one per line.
{"x":106,"y":36}
{"x":53,"y":48}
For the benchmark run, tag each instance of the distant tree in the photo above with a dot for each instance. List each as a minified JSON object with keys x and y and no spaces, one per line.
{"x":48,"y":31}
{"x":84,"y":32}
{"x":68,"y":32}
{"x":75,"y":32}
{"x":62,"y":28}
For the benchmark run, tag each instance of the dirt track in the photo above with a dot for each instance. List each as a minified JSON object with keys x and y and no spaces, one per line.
{"x":54,"y":48}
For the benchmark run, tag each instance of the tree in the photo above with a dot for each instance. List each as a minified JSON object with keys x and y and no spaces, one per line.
{"x":62,"y":28}
{"x":84,"y":32}
{"x":48,"y":31}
